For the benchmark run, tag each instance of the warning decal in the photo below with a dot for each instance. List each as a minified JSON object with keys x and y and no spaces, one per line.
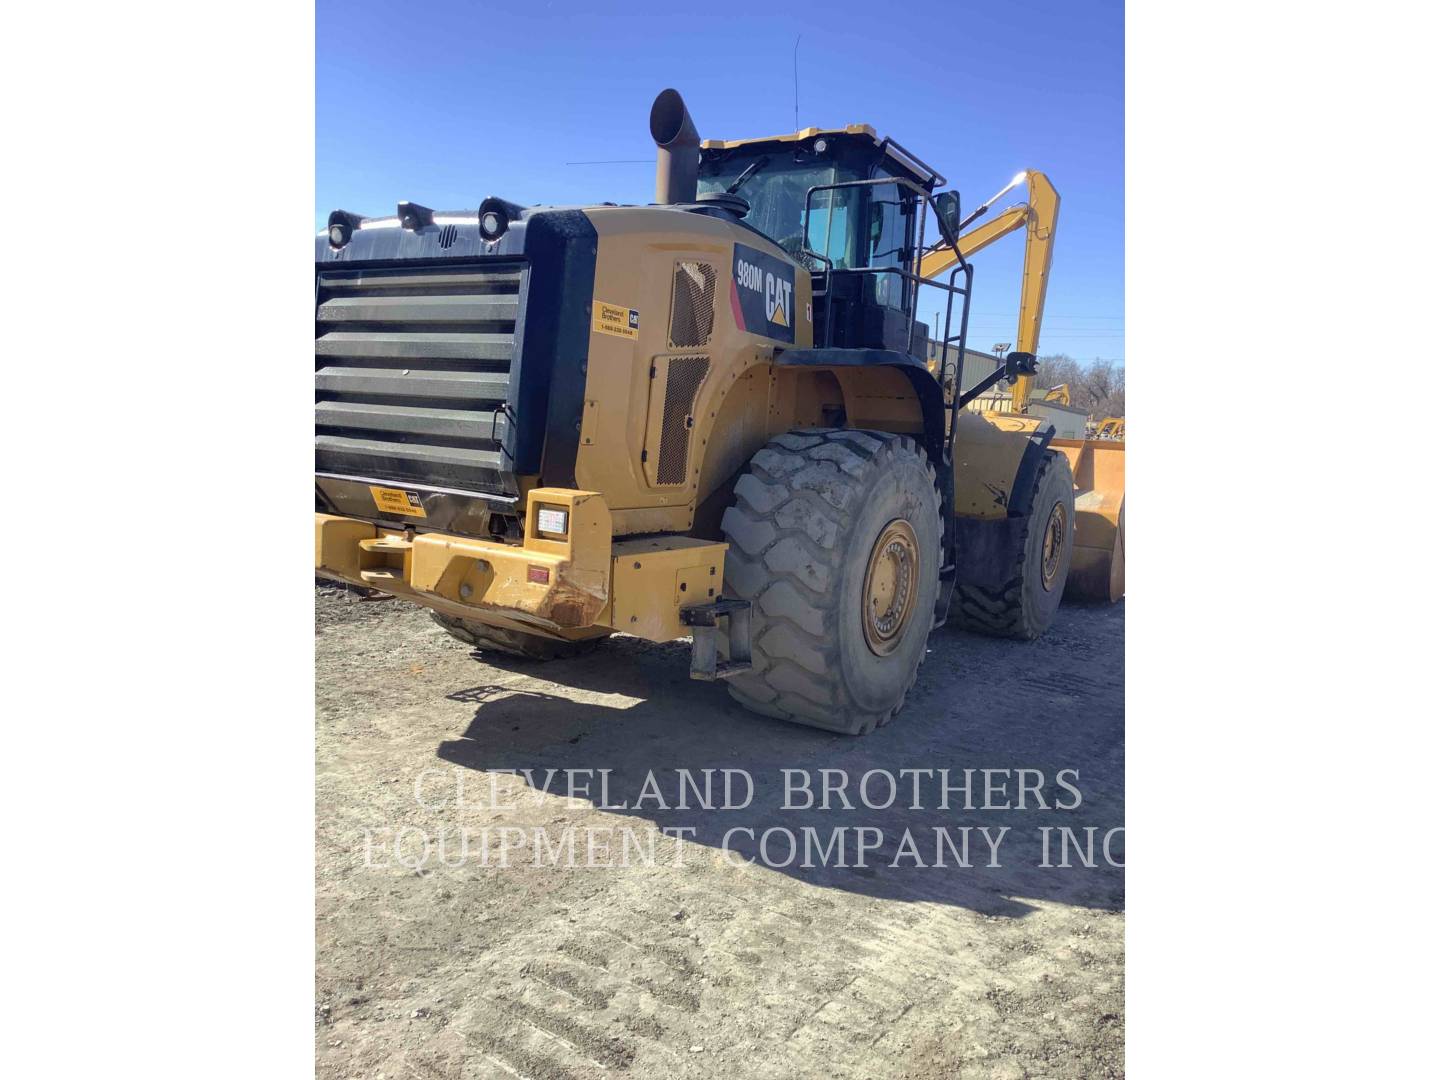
{"x":613,"y":319}
{"x":396,"y":501}
{"x":762,"y":294}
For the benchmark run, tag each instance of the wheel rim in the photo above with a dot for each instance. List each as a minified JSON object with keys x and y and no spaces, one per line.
{"x":890,"y":587}
{"x":1053,"y":547}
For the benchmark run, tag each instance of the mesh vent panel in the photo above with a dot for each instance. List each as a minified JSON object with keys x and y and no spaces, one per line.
{"x":681,"y":384}
{"x":692,"y":305}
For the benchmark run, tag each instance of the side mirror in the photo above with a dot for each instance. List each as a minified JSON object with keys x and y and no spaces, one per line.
{"x":948,"y":205}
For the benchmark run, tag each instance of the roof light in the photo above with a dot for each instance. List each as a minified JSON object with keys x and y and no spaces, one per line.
{"x":341,"y":227}
{"x":494,"y":218}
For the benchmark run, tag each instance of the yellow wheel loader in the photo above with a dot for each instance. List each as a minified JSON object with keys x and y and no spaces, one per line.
{"x":707,"y":417}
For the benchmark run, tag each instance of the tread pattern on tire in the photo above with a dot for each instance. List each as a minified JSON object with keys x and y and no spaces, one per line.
{"x":512,"y":642}
{"x":1000,"y":612}
{"x":799,"y":498}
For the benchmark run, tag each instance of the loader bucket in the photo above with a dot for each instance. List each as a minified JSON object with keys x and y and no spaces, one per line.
{"x":1097,"y":569}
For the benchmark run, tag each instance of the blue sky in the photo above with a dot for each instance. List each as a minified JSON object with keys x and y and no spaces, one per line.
{"x":444,"y":102}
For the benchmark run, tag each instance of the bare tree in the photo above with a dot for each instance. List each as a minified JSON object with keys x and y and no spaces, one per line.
{"x":1099,"y":382}
{"x":1054,"y":370}
{"x":1116,"y":404}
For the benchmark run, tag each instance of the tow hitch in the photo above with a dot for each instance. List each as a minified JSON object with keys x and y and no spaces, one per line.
{"x":703,"y":619}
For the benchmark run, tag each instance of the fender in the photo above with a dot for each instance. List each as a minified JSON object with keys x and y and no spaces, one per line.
{"x":997,"y":457}
{"x":927,"y":390}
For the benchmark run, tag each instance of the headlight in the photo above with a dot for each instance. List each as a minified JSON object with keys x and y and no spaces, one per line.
{"x":493,"y":221}
{"x":495,"y":217}
{"x":341,"y":227}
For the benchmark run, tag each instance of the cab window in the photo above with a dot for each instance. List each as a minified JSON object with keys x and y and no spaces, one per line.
{"x":776,"y":188}
{"x":887,"y":242}
{"x":889,"y":225}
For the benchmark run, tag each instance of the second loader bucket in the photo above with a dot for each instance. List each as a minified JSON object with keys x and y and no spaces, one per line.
{"x":1097,"y":570}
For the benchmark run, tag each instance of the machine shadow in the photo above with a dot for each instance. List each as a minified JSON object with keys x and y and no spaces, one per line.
{"x":660,"y":723}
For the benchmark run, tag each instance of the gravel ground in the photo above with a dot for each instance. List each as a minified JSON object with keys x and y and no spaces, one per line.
{"x":441,"y":962}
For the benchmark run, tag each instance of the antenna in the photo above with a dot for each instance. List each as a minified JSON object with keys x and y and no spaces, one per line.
{"x":795,"y":64}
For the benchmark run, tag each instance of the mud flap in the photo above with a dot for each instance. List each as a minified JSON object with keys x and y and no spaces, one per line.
{"x":986,"y":547}
{"x":703,"y":619}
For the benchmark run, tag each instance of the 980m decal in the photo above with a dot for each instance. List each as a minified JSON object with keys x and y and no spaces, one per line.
{"x":762,"y":293}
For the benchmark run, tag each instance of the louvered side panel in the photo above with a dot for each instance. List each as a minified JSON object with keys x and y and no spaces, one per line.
{"x":412,"y":374}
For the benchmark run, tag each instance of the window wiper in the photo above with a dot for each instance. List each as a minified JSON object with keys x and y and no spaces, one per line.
{"x":754,"y":167}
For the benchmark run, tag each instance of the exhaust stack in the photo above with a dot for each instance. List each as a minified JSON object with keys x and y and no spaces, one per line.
{"x":677,"y":149}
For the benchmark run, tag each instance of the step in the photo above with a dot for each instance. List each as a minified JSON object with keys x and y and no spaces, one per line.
{"x":383,"y":575}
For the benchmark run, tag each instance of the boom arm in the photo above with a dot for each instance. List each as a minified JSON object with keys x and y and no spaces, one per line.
{"x":1038,"y":216}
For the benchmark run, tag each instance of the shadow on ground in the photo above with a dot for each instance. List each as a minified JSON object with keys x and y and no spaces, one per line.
{"x":1050,"y":707}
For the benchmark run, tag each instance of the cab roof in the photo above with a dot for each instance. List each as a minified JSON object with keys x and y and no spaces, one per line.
{"x":806,"y":133}
{"x":920,"y":171}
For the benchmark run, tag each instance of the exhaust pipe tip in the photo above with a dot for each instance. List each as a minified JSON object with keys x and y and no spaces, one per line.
{"x":669,"y":119}
{"x":677,"y":145}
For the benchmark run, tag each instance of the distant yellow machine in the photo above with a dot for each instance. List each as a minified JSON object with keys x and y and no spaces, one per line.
{"x":1060,"y":394}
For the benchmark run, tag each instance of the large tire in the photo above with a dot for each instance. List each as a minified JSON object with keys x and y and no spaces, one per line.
{"x":805,"y":550}
{"x":512,"y":642}
{"x":1025,"y":606}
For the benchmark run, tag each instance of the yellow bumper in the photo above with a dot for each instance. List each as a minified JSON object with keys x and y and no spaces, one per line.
{"x":553,"y":583}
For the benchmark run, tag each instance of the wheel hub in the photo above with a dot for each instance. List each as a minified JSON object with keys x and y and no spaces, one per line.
{"x":890,"y":587}
{"x":1053,"y":546}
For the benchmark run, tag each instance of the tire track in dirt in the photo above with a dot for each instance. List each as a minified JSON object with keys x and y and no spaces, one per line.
{"x":571,"y":975}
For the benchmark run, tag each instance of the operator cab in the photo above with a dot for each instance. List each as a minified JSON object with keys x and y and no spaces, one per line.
{"x":864,"y":216}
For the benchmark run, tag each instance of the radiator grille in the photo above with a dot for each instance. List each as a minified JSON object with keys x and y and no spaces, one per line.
{"x":692,"y":305}
{"x":681,"y":384}
{"x":412,"y":373}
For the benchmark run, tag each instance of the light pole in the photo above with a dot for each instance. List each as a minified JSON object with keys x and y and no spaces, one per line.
{"x":1000,"y":349}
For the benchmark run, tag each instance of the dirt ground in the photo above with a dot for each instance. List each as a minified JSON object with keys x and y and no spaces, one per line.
{"x":439,"y":962}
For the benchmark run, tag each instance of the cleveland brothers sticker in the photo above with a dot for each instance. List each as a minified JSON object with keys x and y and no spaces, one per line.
{"x":762,"y":292}
{"x":614,"y":319}
{"x":397,"y":501}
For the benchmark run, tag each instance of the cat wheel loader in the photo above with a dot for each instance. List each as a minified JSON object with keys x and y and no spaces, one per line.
{"x":704,"y":417}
